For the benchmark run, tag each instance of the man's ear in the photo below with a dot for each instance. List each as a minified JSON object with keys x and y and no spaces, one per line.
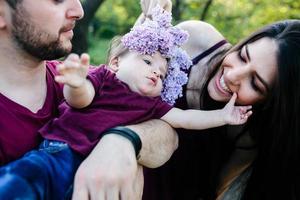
{"x":114,"y":64}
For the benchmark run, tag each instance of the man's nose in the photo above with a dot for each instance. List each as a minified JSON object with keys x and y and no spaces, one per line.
{"x":75,"y":10}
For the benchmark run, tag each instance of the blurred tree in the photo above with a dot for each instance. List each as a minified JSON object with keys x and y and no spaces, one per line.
{"x":177,"y":9}
{"x":80,"y":42}
{"x":117,"y":17}
{"x":235,"y":19}
{"x":205,"y":10}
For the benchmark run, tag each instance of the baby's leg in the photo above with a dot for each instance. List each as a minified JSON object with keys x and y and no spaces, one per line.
{"x":46,"y":173}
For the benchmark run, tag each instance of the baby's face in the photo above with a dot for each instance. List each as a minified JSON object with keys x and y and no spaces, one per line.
{"x":143,"y":73}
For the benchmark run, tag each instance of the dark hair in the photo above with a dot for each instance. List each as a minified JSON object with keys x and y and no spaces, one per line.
{"x":13,"y":3}
{"x":276,"y":170}
{"x":275,"y":123}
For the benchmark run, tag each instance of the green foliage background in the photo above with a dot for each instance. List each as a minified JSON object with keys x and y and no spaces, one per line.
{"x":235,"y":19}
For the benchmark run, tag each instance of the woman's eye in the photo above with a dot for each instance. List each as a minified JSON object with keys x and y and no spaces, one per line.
{"x":254,"y":86}
{"x":58,"y":1}
{"x":240,"y":56}
{"x":147,"y":62}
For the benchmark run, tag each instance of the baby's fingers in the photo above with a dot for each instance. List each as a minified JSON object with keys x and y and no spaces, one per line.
{"x":73,"y":57}
{"x":232,"y":100}
{"x":244,"y":109}
{"x":60,"y":68}
{"x":72,"y":61}
{"x":248,"y":114}
{"x":60,"y":79}
{"x":244,"y":117}
{"x":69,"y":64}
{"x":85,"y":60}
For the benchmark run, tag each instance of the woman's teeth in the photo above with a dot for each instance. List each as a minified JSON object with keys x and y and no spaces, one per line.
{"x":223,"y":85}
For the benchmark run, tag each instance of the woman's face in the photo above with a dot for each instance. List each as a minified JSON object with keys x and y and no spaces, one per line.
{"x":249,"y":72}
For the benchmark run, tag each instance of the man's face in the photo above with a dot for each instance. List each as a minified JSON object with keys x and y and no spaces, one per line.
{"x":44,"y":28}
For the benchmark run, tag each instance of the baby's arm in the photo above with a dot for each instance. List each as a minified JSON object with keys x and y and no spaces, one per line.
{"x":78,"y":90}
{"x":197,"y":119}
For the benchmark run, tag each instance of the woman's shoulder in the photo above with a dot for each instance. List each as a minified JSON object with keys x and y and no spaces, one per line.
{"x":202,"y":36}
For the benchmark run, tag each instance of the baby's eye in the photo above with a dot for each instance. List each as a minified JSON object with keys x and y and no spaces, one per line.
{"x":162,"y":77}
{"x":147,"y":61}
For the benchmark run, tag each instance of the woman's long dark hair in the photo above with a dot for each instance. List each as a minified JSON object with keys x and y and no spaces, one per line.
{"x":275,"y":123}
{"x":276,"y":170}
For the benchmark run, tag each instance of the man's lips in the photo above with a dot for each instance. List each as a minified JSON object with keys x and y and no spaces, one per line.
{"x":68,"y":28}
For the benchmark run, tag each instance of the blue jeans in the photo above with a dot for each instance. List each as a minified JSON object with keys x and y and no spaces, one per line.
{"x":46,"y":173}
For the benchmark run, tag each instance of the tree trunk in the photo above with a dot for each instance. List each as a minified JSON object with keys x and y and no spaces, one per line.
{"x":79,"y":41}
{"x":205,"y":10}
{"x":176,"y":11}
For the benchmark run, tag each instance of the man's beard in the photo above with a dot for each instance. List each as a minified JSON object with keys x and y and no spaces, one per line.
{"x":33,"y":40}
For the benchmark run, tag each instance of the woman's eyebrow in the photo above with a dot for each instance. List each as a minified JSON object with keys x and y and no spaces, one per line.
{"x":257,"y":75}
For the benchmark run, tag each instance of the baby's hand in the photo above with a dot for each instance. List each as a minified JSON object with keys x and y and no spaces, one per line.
{"x":235,"y":115}
{"x":73,"y":70}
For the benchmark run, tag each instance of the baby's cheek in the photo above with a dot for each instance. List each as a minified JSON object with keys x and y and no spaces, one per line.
{"x":160,"y":86}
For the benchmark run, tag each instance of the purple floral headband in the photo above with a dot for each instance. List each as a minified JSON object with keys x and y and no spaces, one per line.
{"x":158,"y":34}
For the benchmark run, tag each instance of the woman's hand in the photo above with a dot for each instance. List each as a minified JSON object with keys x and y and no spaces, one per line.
{"x":148,"y":5}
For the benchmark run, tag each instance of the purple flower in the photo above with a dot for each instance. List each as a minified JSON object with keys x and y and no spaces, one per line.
{"x":180,"y":36}
{"x":158,"y":34}
{"x":162,"y":17}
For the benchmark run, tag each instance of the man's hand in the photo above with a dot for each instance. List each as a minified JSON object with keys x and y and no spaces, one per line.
{"x":110,"y":172}
{"x":74,"y":70}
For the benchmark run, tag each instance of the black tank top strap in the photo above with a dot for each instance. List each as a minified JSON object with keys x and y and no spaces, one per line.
{"x":197,"y":59}
{"x":182,"y":102}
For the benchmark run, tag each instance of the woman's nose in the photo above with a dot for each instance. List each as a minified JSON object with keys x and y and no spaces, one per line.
{"x":237,"y":74}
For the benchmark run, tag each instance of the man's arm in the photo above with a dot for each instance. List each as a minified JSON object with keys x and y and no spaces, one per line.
{"x":159,"y":141}
{"x":112,"y":169}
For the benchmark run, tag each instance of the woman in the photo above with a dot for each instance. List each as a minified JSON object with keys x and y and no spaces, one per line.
{"x":259,"y":160}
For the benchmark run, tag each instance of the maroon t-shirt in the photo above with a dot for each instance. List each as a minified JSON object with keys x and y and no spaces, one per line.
{"x":19,"y":125}
{"x":114,"y":104}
